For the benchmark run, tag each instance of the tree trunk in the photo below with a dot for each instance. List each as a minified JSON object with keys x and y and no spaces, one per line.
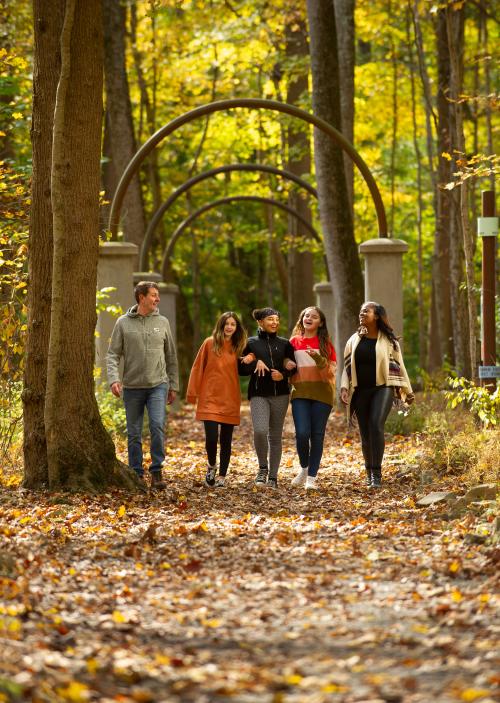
{"x":47,"y":22}
{"x":344,"y":17}
{"x":336,"y":220}
{"x":80,"y":453}
{"x":121,"y":145}
{"x":441,"y":274}
{"x":300,"y":263}
{"x":455,"y":20}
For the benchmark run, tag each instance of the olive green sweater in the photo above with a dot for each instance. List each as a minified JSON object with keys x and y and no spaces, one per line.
{"x":146,"y":345}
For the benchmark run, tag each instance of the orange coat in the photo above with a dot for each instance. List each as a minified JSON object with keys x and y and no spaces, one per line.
{"x":214,"y":383}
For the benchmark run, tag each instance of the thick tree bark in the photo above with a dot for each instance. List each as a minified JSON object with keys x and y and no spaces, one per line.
{"x":47,"y":23}
{"x":336,"y":220}
{"x":300,"y":263}
{"x":344,"y":17}
{"x":120,"y":145}
{"x":80,"y":453}
{"x":455,"y":20}
{"x":441,"y":320}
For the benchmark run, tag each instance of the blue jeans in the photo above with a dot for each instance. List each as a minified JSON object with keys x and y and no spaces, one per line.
{"x":310,"y":418}
{"x":155,"y":400}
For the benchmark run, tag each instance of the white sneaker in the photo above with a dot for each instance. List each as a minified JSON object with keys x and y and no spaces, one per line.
{"x":311,"y":483}
{"x":220,"y":482}
{"x":300,"y":478}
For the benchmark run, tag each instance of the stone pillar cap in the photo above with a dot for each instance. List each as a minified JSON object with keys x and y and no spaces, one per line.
{"x":118,"y":249}
{"x":168,"y":287}
{"x":383,"y":245}
{"x":147,"y":276}
{"x":322,"y":286}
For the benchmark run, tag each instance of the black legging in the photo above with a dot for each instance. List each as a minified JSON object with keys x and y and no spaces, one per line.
{"x":211,"y":440}
{"x":372,"y":406}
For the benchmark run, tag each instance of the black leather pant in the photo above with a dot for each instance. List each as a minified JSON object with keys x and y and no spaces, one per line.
{"x":372,"y":406}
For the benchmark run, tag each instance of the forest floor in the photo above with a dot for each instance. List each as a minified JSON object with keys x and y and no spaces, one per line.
{"x":244,"y":594}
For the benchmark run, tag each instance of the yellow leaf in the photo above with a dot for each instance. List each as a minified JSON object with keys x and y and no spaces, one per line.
{"x":74,"y":691}
{"x":17,"y":115}
{"x":92,"y":666}
{"x":484,"y":597}
{"x":454,"y":567}
{"x":456,"y":596}
{"x":213,"y":622}
{"x":472,"y":694}
{"x":445,"y":155}
{"x":293,"y":679}
{"x":165,"y":565}
{"x":422,"y":629}
{"x":118,"y":617}
{"x":121,"y":511}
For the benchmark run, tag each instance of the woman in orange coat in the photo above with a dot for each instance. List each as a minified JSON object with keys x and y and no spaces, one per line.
{"x":214,"y":386}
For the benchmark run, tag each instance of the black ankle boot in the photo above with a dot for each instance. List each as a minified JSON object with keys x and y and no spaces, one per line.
{"x":376,"y":478}
{"x":368,"y":477}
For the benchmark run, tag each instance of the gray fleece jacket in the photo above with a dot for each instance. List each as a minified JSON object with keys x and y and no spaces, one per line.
{"x":146,"y":345}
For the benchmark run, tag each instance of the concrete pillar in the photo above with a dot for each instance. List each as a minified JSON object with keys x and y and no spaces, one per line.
{"x":115,"y":269}
{"x":168,"y":301}
{"x":324,"y":300}
{"x":384,"y":276}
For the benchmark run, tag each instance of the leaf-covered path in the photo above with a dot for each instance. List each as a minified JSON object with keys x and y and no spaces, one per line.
{"x":239,"y":594}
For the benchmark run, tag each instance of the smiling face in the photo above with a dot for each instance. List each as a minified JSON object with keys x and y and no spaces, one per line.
{"x":367,"y":315}
{"x":311,"y":321}
{"x":270,"y":323}
{"x":230,"y":327}
{"x":149,"y":303}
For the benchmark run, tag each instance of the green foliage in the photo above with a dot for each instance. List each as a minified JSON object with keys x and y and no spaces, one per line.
{"x":103,"y":304}
{"x":484,"y":405}
{"x":112,"y":412}
{"x":407,"y":423}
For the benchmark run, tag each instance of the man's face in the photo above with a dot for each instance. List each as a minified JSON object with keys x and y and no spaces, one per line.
{"x":149,"y":302}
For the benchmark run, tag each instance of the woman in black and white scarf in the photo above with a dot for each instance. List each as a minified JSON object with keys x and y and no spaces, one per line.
{"x":374,"y":377}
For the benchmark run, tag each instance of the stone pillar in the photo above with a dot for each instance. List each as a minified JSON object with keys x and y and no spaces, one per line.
{"x":146,"y":276}
{"x":384,"y":276}
{"x":115,"y":269}
{"x":168,"y":300}
{"x":324,"y":300}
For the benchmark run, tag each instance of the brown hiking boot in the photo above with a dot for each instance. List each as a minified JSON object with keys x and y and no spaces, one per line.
{"x":157,"y":483}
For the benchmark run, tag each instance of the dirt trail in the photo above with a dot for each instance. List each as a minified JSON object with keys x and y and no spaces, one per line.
{"x":239,"y":594}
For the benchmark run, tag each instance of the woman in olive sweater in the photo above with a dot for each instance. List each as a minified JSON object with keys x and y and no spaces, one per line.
{"x":268,"y":391}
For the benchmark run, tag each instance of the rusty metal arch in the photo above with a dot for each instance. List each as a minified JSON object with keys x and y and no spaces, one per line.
{"x":187,"y":185}
{"x":251,"y":103}
{"x":223,"y":201}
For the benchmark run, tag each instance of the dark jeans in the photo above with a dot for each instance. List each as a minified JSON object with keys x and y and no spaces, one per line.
{"x":310,"y":418}
{"x":155,"y":400}
{"x":372,"y":406}
{"x":212,"y":439}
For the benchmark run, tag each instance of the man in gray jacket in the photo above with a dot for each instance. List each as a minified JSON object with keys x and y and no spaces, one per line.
{"x":142,"y":338}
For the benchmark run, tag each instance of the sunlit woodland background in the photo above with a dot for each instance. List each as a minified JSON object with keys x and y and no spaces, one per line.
{"x":416,"y":84}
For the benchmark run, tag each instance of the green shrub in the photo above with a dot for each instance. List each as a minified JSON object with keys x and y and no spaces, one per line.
{"x":112,"y":411}
{"x":484,"y":404}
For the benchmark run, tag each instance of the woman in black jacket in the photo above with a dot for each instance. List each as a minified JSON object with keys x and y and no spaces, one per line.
{"x":268,"y":391}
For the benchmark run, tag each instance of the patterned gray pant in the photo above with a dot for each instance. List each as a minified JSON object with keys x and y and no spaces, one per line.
{"x":268,"y":418}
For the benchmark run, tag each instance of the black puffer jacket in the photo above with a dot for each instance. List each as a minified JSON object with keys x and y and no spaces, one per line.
{"x":272,"y":350}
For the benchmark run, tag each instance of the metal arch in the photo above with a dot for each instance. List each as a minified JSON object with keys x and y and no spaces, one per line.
{"x":252,"y":103}
{"x":223,"y":201}
{"x":187,"y":185}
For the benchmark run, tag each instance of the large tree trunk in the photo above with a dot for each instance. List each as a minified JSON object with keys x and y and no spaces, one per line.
{"x":80,"y":453}
{"x":300,"y":263}
{"x":120,"y":143}
{"x":47,"y":23}
{"x":344,"y":17}
{"x":336,"y":220}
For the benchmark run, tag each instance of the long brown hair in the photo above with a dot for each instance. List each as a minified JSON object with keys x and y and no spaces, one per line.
{"x":383,"y":323}
{"x":238,"y":339}
{"x":325,"y":343}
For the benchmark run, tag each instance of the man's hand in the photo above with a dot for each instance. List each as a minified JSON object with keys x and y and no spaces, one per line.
{"x":116,"y":388}
{"x":261,"y":368}
{"x":171,"y":397}
{"x":344,"y":395}
{"x":276,"y":375}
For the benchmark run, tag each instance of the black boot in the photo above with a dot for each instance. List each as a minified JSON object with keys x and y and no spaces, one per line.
{"x":368,"y":477}
{"x":376,"y":478}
